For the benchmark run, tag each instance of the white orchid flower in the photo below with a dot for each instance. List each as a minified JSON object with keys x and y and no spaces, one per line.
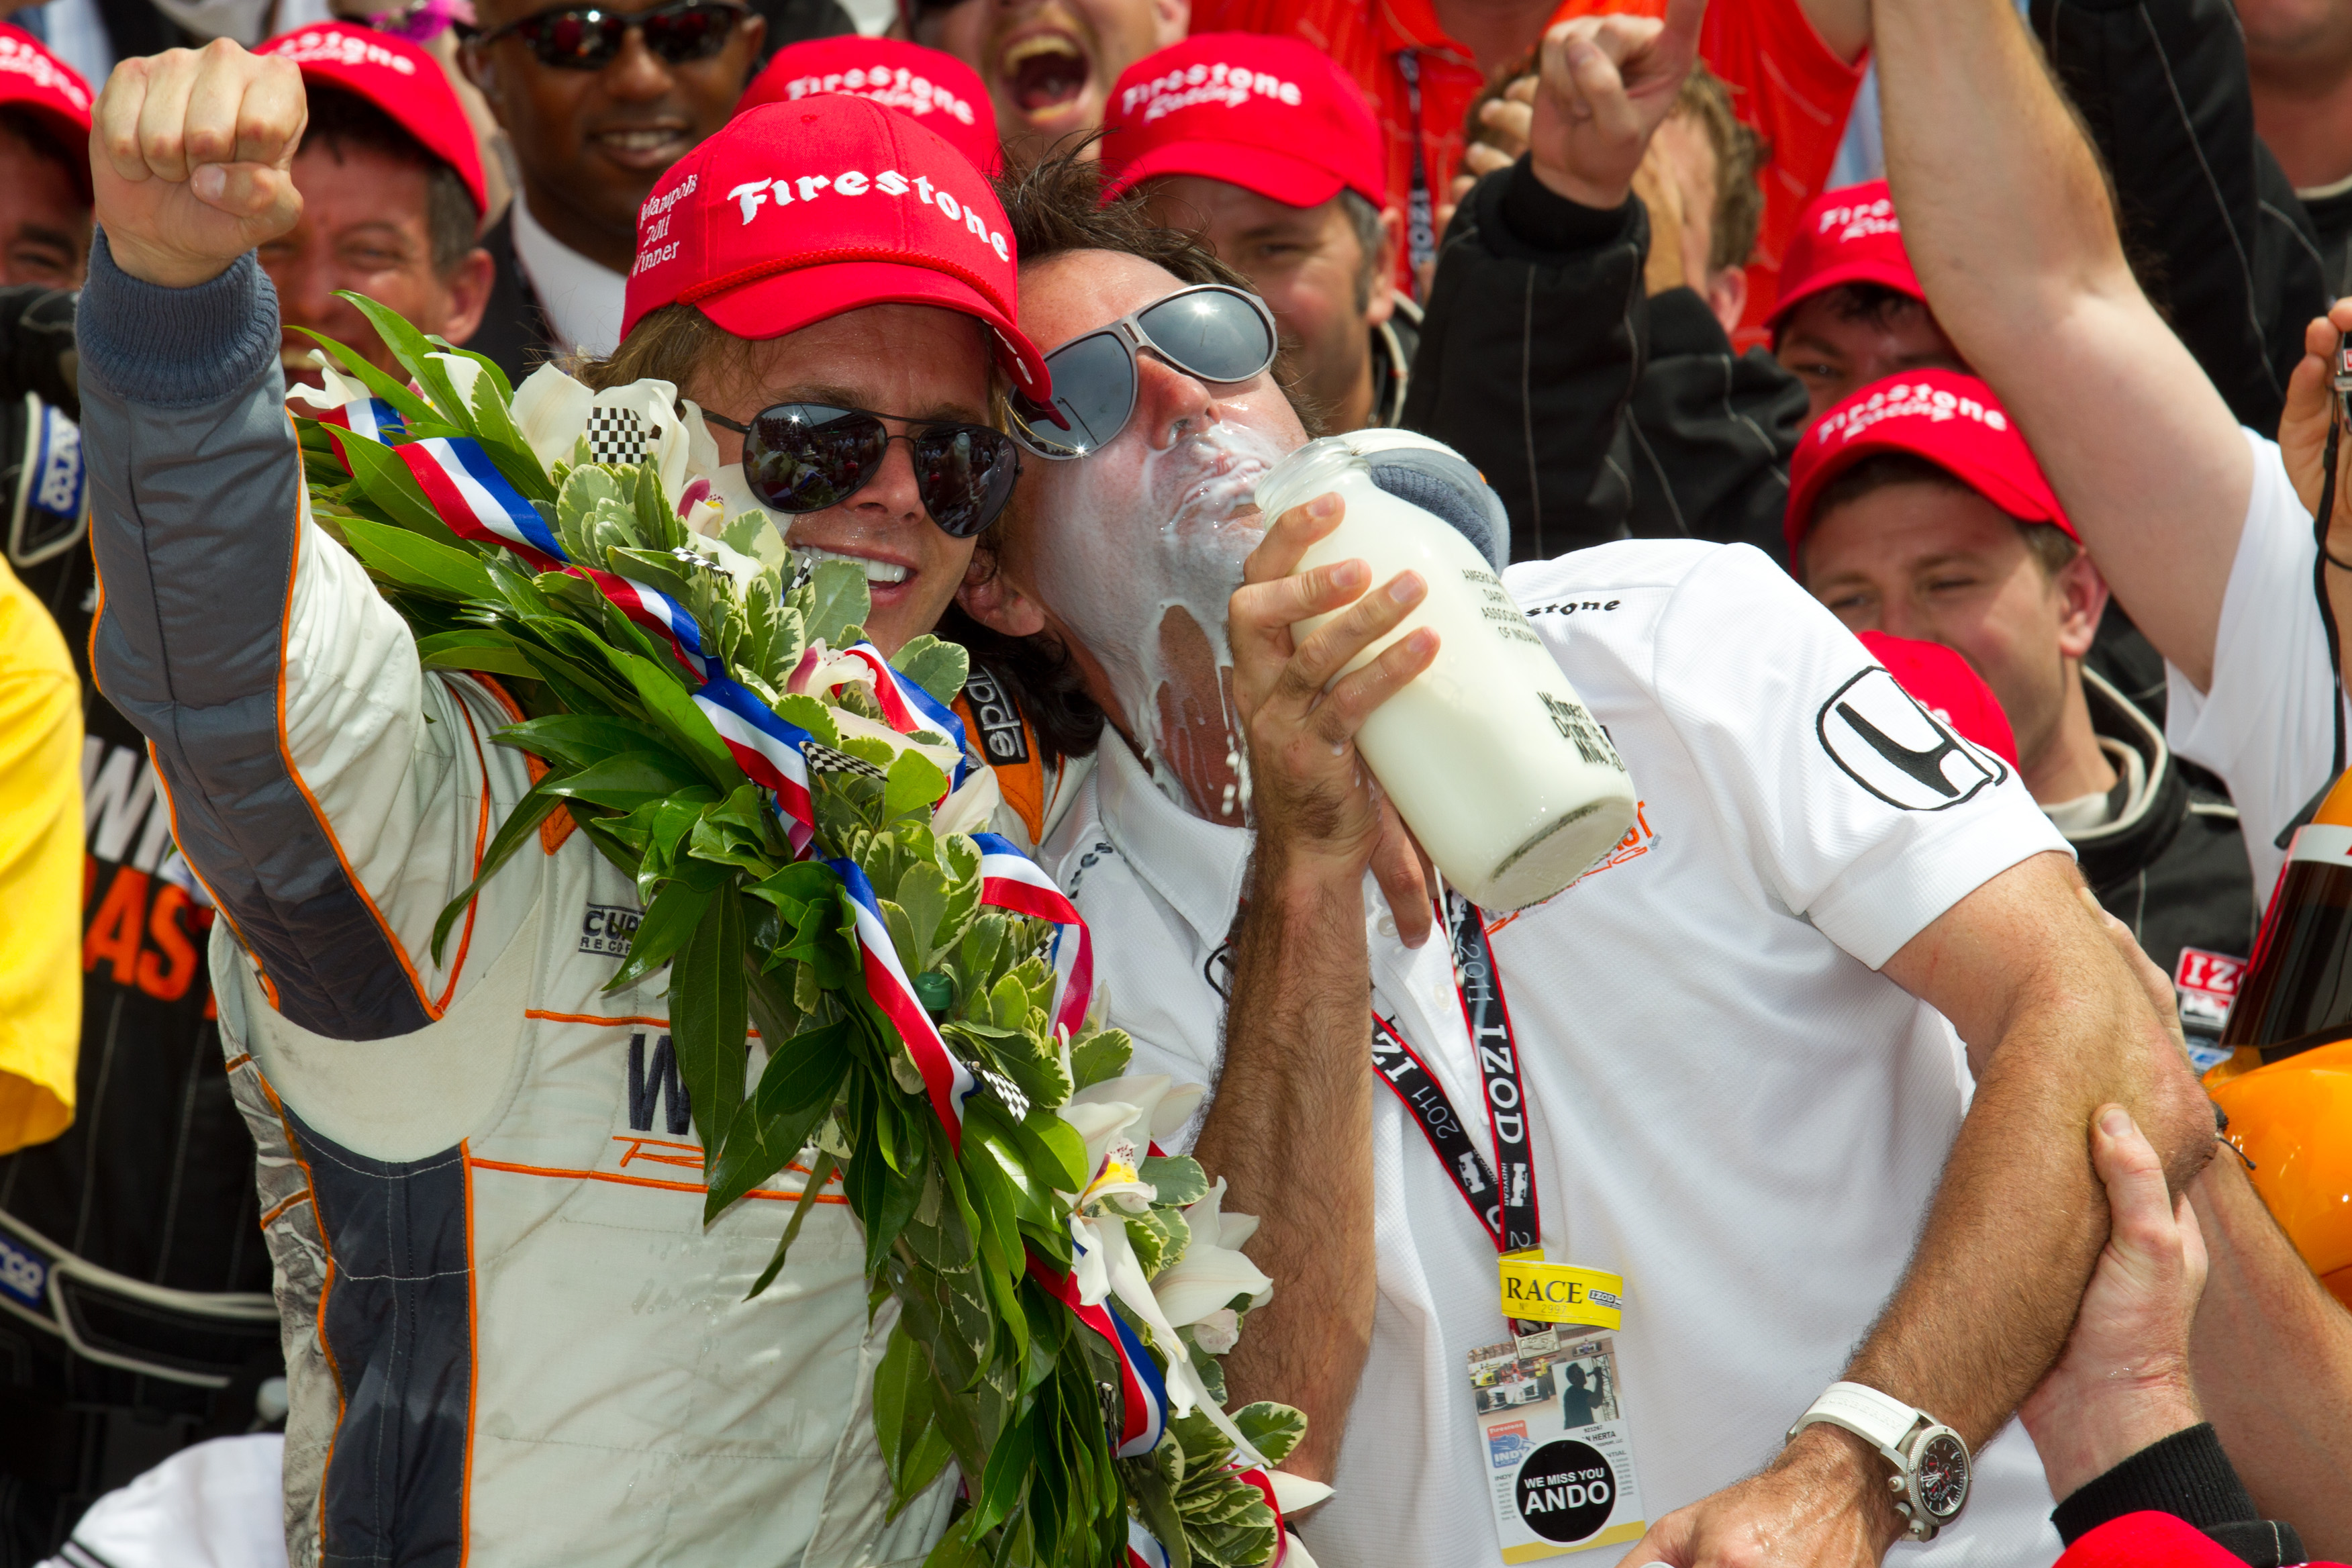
{"x":1219,"y":1331}
{"x":968,"y":810}
{"x":1212,"y":1271}
{"x":339,"y":389}
{"x":551,"y":409}
{"x":1291,"y":1494}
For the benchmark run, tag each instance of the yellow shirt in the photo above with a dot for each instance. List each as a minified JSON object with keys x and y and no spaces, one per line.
{"x":40,"y":870}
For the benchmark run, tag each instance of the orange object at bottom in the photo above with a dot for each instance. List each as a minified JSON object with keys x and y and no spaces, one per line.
{"x":2293,"y":1120}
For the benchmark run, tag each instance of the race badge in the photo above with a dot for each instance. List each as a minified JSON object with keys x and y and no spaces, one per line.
{"x":2204,"y":984}
{"x":1555,"y":1445}
{"x":1896,"y":749}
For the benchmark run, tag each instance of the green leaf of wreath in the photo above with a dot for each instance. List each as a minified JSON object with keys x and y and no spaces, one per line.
{"x":627,"y":780}
{"x":796,"y":1090}
{"x":708,"y":1023}
{"x":669,"y":922}
{"x":577,"y":740}
{"x":416,"y":562}
{"x":513,"y":833}
{"x":416,"y":356}
{"x":840,"y":603}
{"x":492,"y":653}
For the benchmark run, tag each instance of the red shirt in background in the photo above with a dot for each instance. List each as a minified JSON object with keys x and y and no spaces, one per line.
{"x":1785,"y":82}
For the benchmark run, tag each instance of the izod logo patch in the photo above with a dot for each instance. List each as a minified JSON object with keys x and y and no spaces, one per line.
{"x":1896,"y":749}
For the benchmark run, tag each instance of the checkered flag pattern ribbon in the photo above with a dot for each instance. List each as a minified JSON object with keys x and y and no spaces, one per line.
{"x":621,"y":437}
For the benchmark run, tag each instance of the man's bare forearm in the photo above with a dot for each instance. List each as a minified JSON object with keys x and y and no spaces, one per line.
{"x":2019,"y":1215}
{"x":2007,"y":217}
{"x":1290,"y":1131}
{"x":2272,"y":1355}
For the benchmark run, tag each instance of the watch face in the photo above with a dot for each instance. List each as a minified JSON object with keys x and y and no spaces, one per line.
{"x":1943,"y":1475}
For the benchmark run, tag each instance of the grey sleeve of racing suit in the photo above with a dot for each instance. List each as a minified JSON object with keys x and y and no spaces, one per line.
{"x":332,"y":797}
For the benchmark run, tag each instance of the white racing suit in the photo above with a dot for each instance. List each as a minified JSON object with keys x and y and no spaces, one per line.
{"x":509,"y":1337}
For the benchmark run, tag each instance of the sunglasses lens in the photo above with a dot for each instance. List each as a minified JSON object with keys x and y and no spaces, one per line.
{"x":689,"y":32}
{"x":1211,"y":333}
{"x":1094,"y":392}
{"x":585,"y":39}
{"x":965,"y":472}
{"x":804,"y":457}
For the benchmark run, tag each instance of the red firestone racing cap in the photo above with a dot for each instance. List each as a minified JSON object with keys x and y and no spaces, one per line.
{"x":1952,"y":420}
{"x":1847,"y":236}
{"x":1272,"y":115}
{"x":398,"y":78}
{"x":937,"y":90}
{"x":35,"y":80}
{"x":1942,"y":683}
{"x":795,"y":212}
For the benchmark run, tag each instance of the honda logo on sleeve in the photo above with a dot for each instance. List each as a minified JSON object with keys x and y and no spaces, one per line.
{"x":1896,"y":749}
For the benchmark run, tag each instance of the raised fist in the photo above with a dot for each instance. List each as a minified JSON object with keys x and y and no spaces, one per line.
{"x":189,"y":152}
{"x":1604,"y":85}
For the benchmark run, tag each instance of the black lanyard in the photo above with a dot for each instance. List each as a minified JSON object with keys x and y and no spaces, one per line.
{"x":1506,"y":1208}
{"x":1420,"y":211}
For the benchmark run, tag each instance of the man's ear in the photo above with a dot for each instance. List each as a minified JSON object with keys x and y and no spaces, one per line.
{"x":1382,"y":304}
{"x":1727,"y":296}
{"x":469,"y":284}
{"x":2083,"y":599}
{"x":1171,"y":20}
{"x":989,"y":598}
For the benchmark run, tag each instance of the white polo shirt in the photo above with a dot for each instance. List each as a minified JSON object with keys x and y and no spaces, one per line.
{"x":2265,"y":726}
{"x":1728,"y":1107}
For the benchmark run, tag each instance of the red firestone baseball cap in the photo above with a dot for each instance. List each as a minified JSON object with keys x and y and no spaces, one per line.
{"x":1952,"y":420}
{"x":35,"y":80}
{"x":796,"y":212}
{"x":1941,"y":682}
{"x":1847,"y":236}
{"x":398,"y":78}
{"x":939,"y":92}
{"x":1272,"y":115}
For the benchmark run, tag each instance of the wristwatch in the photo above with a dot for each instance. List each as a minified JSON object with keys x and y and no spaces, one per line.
{"x":1931,"y":1464}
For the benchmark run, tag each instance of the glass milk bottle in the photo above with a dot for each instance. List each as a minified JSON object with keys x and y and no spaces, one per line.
{"x":1492,"y":759}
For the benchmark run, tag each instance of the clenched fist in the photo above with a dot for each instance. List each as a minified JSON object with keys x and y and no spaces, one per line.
{"x":189,"y":153}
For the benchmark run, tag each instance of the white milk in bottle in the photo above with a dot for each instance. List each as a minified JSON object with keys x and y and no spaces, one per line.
{"x":1492,"y":759}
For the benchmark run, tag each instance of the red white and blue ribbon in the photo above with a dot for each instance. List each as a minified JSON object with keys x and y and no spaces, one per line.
{"x":1143,"y":1548}
{"x":1011,"y":880}
{"x":1143,"y":1392}
{"x":370,"y":417}
{"x":476,"y":501}
{"x":664,"y":617}
{"x":907,"y":706}
{"x":947,"y":1082}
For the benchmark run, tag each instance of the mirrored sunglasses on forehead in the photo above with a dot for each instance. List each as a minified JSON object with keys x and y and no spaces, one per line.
{"x":806,"y":457}
{"x":1210,"y":332}
{"x":590,"y":37}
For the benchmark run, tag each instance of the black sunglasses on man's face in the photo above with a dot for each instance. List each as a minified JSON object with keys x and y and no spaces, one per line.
{"x":590,"y":37}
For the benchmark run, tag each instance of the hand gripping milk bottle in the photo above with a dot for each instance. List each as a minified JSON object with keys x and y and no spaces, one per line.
{"x":1492,"y":759}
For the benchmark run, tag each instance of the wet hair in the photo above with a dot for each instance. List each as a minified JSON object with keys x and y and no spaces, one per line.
{"x":677,"y":343}
{"x":2050,"y":544}
{"x":340,"y":119}
{"x":1738,"y":211}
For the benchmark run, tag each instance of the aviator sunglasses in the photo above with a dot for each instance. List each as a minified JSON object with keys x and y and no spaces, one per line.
{"x":589,"y":37}
{"x":806,"y":457}
{"x":1210,"y":331}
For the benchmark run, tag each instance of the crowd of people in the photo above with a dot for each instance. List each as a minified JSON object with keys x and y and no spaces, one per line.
{"x":1937,"y":554}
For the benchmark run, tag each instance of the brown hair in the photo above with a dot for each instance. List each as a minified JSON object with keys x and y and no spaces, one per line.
{"x":1738,"y":199}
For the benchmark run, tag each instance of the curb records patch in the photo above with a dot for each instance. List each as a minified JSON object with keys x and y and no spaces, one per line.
{"x":1890,"y":745}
